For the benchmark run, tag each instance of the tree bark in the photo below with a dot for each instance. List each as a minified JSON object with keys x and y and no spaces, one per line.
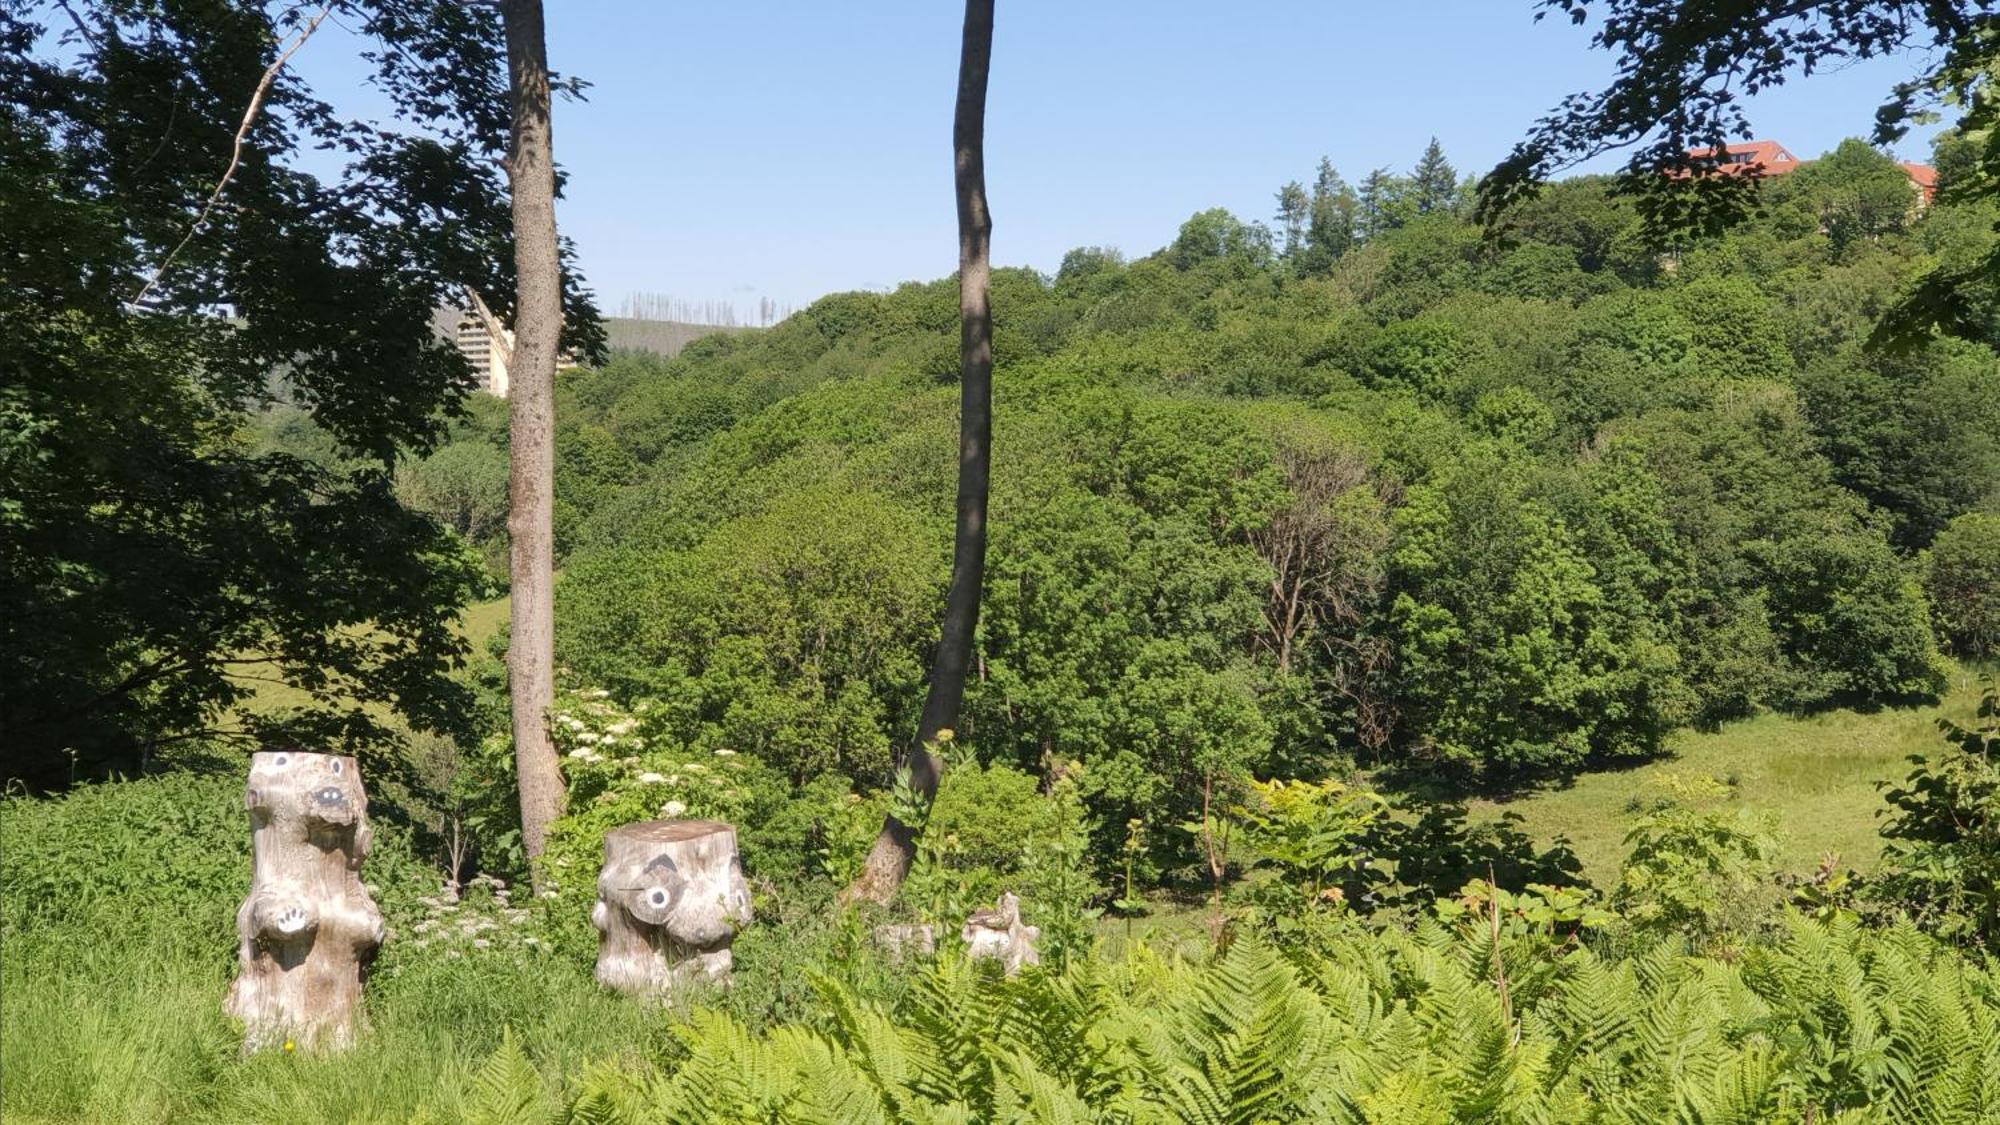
{"x":889,"y":860}
{"x":309,"y":928}
{"x":531,"y":422}
{"x":669,"y":902}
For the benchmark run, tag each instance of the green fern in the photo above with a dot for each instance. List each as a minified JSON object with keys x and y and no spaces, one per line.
{"x":507,"y":1090}
{"x":1827,"y":1022}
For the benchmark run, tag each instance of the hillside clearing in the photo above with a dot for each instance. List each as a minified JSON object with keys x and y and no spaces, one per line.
{"x":1818,"y":774}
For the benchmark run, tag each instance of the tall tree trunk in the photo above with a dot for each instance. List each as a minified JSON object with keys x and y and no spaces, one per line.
{"x":896,"y":845}
{"x":531,"y":403}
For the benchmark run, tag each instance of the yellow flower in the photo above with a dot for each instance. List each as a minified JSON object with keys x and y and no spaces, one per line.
{"x":291,"y":1046}
{"x":946,"y":734}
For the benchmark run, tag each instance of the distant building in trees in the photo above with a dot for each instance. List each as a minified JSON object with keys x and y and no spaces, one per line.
{"x":1769,"y":158}
{"x":484,"y":351}
{"x":1754,"y":158}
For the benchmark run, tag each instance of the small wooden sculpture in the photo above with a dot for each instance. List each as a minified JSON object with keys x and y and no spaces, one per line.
{"x":999,"y":933}
{"x":669,"y":903}
{"x":308,"y":929}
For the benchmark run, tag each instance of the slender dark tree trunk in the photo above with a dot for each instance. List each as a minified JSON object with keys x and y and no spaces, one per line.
{"x":531,"y":377}
{"x":889,"y":860}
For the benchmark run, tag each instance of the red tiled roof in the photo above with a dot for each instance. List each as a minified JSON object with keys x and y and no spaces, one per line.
{"x":1924,"y":177}
{"x":1768,"y":158}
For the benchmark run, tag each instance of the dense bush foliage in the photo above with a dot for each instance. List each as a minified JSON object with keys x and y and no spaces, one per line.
{"x":1943,"y":855}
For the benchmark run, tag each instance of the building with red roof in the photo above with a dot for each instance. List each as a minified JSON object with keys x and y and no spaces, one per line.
{"x":1769,"y":158}
{"x":1756,"y":158}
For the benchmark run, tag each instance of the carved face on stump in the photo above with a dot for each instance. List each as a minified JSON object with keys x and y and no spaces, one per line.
{"x":308,"y":928}
{"x":322,"y":791}
{"x":676,"y":890}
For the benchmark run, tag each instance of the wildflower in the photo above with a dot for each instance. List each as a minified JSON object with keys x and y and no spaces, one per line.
{"x":623,"y":726}
{"x":588,"y":736}
{"x":579,"y":752}
{"x":481,"y":943}
{"x":725,"y":752}
{"x":673,"y":808}
{"x":291,"y":1046}
{"x":651,"y":778}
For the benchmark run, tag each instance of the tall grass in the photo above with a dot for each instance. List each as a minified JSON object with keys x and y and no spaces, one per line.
{"x":117,"y":943}
{"x":98,"y":1027}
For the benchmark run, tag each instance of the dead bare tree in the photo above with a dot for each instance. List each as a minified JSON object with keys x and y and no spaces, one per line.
{"x":531,"y":420}
{"x":896,"y":845}
{"x":1325,"y":550}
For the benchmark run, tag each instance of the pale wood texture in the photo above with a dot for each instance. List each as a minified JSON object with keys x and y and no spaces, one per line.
{"x":997,"y":933}
{"x":1000,"y":934}
{"x":309,"y":928}
{"x":531,"y":426}
{"x":669,"y":903}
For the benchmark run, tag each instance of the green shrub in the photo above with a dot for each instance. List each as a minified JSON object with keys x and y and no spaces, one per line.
{"x":1962,"y":577}
{"x":1695,"y":870}
{"x":1942,"y":855}
{"x":173,"y":847}
{"x":995,"y":812}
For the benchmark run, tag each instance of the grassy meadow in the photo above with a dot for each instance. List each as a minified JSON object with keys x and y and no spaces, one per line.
{"x":1819,"y":775}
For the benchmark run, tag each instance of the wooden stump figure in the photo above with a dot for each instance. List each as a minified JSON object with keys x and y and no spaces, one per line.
{"x":999,"y":933}
{"x":669,"y":903}
{"x":308,"y":928}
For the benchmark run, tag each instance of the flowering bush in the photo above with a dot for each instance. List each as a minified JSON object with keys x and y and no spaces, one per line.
{"x":620,"y":770}
{"x":482,"y":921}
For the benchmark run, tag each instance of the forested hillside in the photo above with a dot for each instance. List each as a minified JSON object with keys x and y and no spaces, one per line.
{"x":1367,"y":489}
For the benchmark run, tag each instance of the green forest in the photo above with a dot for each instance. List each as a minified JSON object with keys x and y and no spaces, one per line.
{"x":1360,"y":580}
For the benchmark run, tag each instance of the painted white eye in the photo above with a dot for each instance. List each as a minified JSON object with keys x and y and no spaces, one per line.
{"x":338,"y":765}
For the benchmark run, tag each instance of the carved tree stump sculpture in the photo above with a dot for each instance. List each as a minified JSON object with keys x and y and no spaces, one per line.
{"x":669,"y":903}
{"x":1000,"y":934}
{"x":308,"y":928}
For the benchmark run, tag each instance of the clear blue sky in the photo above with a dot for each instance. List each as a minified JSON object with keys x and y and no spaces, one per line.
{"x":791,"y":149}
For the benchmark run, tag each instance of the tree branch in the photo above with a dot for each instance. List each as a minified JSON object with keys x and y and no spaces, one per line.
{"x":235,"y":151}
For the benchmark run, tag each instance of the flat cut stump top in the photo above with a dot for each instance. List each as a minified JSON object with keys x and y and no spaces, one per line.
{"x":666,"y":831}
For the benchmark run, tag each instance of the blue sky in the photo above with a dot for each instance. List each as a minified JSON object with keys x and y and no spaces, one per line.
{"x":748,"y":149}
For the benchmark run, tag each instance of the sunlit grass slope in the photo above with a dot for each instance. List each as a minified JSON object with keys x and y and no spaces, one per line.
{"x":1817,"y":774}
